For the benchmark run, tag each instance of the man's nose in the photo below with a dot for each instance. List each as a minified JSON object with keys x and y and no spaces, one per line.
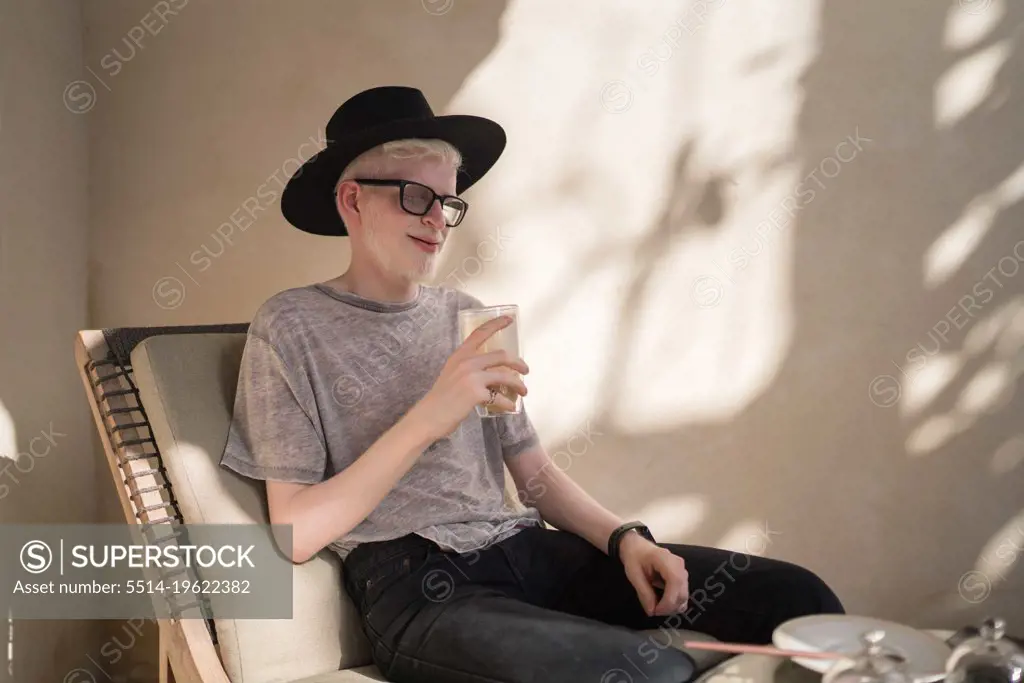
{"x":435,"y":217}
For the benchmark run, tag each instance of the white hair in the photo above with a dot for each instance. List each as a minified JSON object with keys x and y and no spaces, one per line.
{"x":376,"y":161}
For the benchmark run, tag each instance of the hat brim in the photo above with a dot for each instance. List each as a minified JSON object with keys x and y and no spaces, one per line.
{"x":308,"y":203}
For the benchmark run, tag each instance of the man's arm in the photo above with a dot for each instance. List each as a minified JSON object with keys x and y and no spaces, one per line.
{"x":313,"y":510}
{"x":650,"y":568}
{"x":560,"y":500}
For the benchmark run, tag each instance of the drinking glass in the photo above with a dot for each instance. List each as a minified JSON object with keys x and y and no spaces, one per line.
{"x":505,"y":339}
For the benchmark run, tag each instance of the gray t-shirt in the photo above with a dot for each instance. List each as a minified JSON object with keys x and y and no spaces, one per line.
{"x":325,"y":373}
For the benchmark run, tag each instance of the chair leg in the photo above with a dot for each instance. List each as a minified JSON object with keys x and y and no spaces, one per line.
{"x":166,"y":676}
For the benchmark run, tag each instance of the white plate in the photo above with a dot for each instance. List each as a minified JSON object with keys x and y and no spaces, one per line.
{"x":925,"y":654}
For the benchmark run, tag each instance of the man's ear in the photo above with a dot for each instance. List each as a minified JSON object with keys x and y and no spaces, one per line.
{"x":346,"y":200}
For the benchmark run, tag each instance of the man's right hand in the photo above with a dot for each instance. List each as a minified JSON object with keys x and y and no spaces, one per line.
{"x":466,"y":381}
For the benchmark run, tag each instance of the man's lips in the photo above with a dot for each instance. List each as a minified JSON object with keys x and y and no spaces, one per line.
{"x":426,"y":245}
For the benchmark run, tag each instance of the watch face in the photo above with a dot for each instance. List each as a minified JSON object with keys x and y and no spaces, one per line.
{"x":642,"y":531}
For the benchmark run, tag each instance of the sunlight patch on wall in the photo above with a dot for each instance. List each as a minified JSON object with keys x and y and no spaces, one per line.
{"x":986,"y":392}
{"x":968,"y":23}
{"x":750,"y":536}
{"x":931,"y":372}
{"x":933,"y":433}
{"x":574,"y":191}
{"x":953,"y":247}
{"x":967,"y":83}
{"x":675,"y":518}
{"x":1011,"y":340}
{"x":927,"y":383}
{"x":1003,"y":329}
{"x":989,"y":390}
{"x":1002,"y":552}
{"x":716,"y":317}
{"x":574,"y":352}
{"x":8,"y":435}
{"x":705,"y":363}
{"x":10,"y":643}
{"x":666,"y":164}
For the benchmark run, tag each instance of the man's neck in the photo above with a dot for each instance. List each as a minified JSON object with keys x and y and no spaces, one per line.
{"x":379,"y":288}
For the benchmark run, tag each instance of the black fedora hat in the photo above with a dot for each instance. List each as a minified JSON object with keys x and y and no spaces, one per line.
{"x":371,"y":118}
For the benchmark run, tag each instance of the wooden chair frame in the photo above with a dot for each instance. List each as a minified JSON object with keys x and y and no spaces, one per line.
{"x":187,"y":653}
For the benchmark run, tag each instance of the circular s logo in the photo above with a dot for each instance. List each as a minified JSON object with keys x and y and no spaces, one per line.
{"x":347,"y":391}
{"x":707,"y":291}
{"x":79,"y":97}
{"x":36,"y":557}
{"x":79,"y":676}
{"x":438,"y":585}
{"x":616,"y":676}
{"x":974,"y":586}
{"x":975,"y":6}
{"x":616,"y":97}
{"x":437,"y":7}
{"x":885,"y":391}
{"x":168,"y":292}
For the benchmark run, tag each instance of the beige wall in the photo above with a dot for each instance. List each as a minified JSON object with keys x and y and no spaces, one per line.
{"x":721,"y":391}
{"x":43,"y":290}
{"x":772,"y":324}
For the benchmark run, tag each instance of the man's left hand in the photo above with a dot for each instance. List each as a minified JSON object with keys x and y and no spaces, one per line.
{"x":650,"y":567}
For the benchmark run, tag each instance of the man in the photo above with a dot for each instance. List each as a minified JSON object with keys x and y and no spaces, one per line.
{"x":356,"y":403}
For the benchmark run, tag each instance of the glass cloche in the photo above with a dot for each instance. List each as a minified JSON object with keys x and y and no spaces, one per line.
{"x":873,"y":664}
{"x":988,"y":657}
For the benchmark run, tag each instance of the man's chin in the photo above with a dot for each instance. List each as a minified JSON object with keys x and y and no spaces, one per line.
{"x":423,"y":273}
{"x":425,"y":277}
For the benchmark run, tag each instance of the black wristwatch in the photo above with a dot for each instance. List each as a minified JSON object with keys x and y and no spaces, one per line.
{"x":615,"y":540}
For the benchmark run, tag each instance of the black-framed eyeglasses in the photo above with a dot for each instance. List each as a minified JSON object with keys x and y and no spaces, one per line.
{"x":417,"y":199}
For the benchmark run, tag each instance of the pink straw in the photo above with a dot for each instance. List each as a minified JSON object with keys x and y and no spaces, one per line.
{"x":740,"y":648}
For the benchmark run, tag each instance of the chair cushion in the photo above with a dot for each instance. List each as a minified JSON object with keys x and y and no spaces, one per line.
{"x":187,"y":385}
{"x":357,"y":675}
{"x":704,"y":659}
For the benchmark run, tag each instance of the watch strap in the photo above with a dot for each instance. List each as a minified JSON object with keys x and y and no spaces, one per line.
{"x":615,"y":539}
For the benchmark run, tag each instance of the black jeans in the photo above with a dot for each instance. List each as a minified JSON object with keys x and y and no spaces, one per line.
{"x":546,"y":606}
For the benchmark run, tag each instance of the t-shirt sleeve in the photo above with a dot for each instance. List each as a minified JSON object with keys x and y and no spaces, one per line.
{"x":275,"y":431}
{"x":516,"y":433}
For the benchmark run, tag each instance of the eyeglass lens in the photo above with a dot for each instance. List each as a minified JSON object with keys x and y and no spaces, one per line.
{"x":417,"y":199}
